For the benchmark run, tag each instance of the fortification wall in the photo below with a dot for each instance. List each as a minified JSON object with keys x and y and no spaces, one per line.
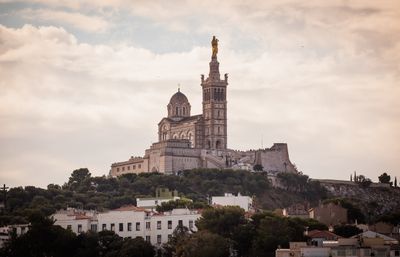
{"x":275,"y":159}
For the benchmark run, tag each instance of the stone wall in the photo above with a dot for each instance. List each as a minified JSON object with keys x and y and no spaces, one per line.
{"x":275,"y":159}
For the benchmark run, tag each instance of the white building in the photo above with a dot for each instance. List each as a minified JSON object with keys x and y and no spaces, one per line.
{"x":150,"y":203}
{"x":131,"y":221}
{"x":7,"y":231}
{"x":244,"y":202}
{"x":76,"y":220}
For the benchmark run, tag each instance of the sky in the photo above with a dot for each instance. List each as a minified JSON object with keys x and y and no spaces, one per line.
{"x":84,"y":83}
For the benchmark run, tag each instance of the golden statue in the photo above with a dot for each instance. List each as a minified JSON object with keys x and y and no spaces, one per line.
{"x":214,"y":44}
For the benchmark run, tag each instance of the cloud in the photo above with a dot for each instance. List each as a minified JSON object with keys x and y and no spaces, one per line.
{"x":321,"y":77}
{"x":75,"y":19}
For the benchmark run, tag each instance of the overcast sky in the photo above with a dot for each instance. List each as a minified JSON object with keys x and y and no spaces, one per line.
{"x":84,"y":83}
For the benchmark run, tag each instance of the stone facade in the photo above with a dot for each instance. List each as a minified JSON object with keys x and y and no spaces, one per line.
{"x":200,"y":141}
{"x":330,"y":214}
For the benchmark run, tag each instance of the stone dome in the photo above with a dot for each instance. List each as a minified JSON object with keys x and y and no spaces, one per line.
{"x":178,"y":106}
{"x":178,"y":98}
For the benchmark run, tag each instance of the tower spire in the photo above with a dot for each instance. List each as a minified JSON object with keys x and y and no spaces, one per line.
{"x":214,"y":104}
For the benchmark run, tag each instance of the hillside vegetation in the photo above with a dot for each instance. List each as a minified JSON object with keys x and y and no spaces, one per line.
{"x":87,"y":192}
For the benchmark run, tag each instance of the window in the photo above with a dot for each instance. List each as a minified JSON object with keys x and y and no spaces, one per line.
{"x":137,"y":226}
{"x":190,"y":224}
{"x":176,"y":111}
{"x":396,"y":253}
{"x":123,"y":168}
{"x":79,"y":228}
{"x":112,"y":226}
{"x":121,"y":227}
{"x":129,"y":226}
{"x":117,"y":169}
{"x":129,"y":167}
{"x":93,"y":227}
{"x":139,"y":166}
{"x":170,"y":224}
{"x":158,"y":239}
{"x":148,"y":225}
{"x":159,"y":224}
{"x":69,"y":227}
{"x":180,"y":223}
{"x":103,"y":227}
{"x":133,"y":167}
{"x":148,"y":239}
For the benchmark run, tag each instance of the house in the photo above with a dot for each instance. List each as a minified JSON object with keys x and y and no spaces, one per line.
{"x":371,"y":235}
{"x":302,"y":249}
{"x":363,"y":245}
{"x":244,"y":202}
{"x":317,"y":237}
{"x":330,"y":214}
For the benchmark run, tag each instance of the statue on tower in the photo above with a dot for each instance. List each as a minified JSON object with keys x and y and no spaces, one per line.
{"x":214,"y":44}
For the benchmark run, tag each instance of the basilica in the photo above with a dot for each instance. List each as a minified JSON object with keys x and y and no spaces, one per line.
{"x":188,"y":141}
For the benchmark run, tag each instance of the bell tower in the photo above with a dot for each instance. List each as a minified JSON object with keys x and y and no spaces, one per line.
{"x":214,"y":104}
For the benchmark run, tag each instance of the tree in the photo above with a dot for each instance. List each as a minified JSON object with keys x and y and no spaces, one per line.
{"x":354,"y":212}
{"x":180,"y":234}
{"x":346,"y":230}
{"x":79,"y":179}
{"x":222,"y":221}
{"x":42,"y":239}
{"x":384,"y":178}
{"x":109,"y":243}
{"x":274,"y":231}
{"x":242,"y":238}
{"x":258,"y":167}
{"x":136,"y":247}
{"x":204,"y":243}
{"x":363,"y":181}
{"x":173,"y":204}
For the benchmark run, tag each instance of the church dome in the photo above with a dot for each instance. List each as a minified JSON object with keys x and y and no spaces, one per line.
{"x":178,"y":98}
{"x":178,"y":106}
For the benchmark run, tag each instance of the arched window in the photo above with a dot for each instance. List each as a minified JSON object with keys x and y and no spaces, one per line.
{"x":176,"y":111}
{"x":183,"y":111}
